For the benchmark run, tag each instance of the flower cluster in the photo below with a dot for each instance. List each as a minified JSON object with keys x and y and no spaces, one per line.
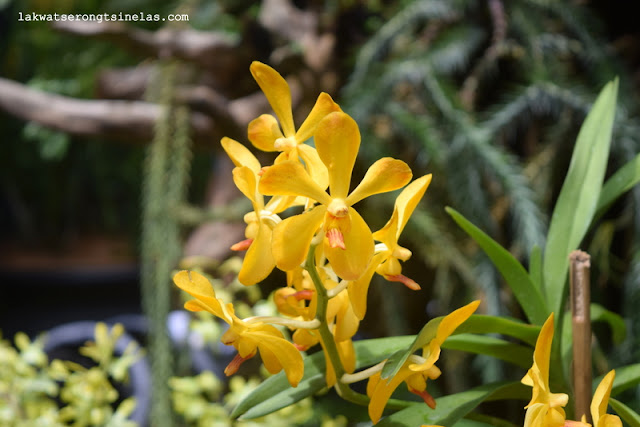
{"x":546,"y":408}
{"x":326,"y":248}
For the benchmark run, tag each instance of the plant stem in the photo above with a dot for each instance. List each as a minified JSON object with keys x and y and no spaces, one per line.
{"x":328,"y":342}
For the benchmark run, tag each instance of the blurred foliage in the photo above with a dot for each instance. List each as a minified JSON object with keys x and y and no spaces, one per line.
{"x":37,"y":392}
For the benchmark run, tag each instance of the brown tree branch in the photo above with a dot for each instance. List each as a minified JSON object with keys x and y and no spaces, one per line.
{"x":130,"y":121}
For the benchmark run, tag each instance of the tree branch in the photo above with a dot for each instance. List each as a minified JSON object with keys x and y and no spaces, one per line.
{"x":131,"y":121}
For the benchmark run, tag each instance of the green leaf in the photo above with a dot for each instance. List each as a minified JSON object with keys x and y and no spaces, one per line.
{"x":626,"y":377}
{"x":535,"y":267}
{"x":450,"y":409}
{"x":395,"y":362}
{"x":626,"y":413}
{"x":615,"y":321}
{"x":484,"y":324}
{"x":579,"y":195}
{"x":622,"y":181}
{"x":516,"y":276}
{"x":276,"y":393}
{"x":491,"y":346}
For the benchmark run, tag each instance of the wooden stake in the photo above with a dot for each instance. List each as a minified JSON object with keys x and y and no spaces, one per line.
{"x":581,"y":322}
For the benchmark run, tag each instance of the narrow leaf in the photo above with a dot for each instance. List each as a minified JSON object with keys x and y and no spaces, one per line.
{"x":491,"y":346}
{"x":627,"y":414}
{"x":484,"y":324}
{"x":276,"y":393}
{"x":576,"y":204}
{"x":622,"y":181}
{"x":535,"y":267}
{"x":515,"y":275}
{"x":449,"y":409}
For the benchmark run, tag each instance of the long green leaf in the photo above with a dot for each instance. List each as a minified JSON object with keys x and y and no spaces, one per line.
{"x":626,"y":413}
{"x":276,"y":393}
{"x":622,"y":181}
{"x":626,"y":377}
{"x":579,"y":195}
{"x":491,"y":346}
{"x":449,"y":409}
{"x":516,"y":276}
{"x":485,"y":324}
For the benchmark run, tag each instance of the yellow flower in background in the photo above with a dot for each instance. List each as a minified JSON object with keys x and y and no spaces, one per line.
{"x":247,"y":337}
{"x":600,"y":402}
{"x":267,"y":135}
{"x":416,"y":370}
{"x":258,"y":261}
{"x":348,"y":242}
{"x":545,"y":408}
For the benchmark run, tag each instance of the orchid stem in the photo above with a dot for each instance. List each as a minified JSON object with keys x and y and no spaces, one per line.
{"x":329,"y":344}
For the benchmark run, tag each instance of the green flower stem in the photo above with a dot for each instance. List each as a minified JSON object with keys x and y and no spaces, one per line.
{"x":331,"y":351}
{"x":329,"y":344}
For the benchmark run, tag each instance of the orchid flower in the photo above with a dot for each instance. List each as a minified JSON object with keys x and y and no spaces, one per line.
{"x":416,"y":370}
{"x":265,"y":133}
{"x":348,"y":241}
{"x":247,"y":337}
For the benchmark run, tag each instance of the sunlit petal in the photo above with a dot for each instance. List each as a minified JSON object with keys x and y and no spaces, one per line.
{"x":258,"y":261}
{"x":239,"y":154}
{"x":600,"y":402}
{"x":292,"y":237}
{"x":382,"y":392}
{"x":264,"y":131}
{"x":324,"y":105}
{"x":359,"y":289}
{"x":385,"y":175}
{"x":446,"y":327}
{"x":245,"y":180}
{"x":317,"y":170}
{"x":199,"y":287}
{"x":352,"y":262}
{"x":337,"y":140}
{"x":276,"y":89}
{"x":289,"y":178}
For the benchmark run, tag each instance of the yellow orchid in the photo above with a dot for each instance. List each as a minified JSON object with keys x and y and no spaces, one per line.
{"x":416,"y":370}
{"x":247,"y":337}
{"x":545,"y":408}
{"x":265,"y":134}
{"x":348,"y":241}
{"x":600,"y":402}
{"x":258,"y":262}
{"x":404,"y":206}
{"x":386,"y":260}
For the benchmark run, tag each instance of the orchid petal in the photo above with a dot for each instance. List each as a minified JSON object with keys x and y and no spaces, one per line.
{"x":292,"y":238}
{"x":337,"y":140}
{"x":382,"y":392}
{"x":258,"y":261}
{"x":263,"y":132}
{"x":289,"y":178}
{"x":276,"y":89}
{"x":384,"y":175}
{"x":317,"y":170}
{"x":278,"y":353}
{"x":600,"y":402}
{"x":200,"y":288}
{"x":358,"y":289}
{"x":446,"y":327}
{"x":240,"y":155}
{"x":352,"y":262}
{"x":323,"y":106}
{"x":245,"y":180}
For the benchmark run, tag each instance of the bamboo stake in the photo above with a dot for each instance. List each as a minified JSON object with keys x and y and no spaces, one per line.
{"x":581,"y":323}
